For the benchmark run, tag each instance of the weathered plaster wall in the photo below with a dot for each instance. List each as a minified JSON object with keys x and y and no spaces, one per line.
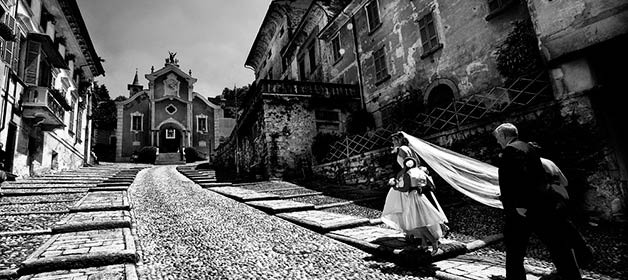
{"x":290,"y":128}
{"x":567,"y":26}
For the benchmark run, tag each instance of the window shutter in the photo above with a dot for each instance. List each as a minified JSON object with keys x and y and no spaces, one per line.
{"x":32,"y":62}
{"x":7,"y":54}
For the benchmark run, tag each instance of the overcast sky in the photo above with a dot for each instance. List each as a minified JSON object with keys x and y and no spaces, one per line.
{"x":211,"y":37}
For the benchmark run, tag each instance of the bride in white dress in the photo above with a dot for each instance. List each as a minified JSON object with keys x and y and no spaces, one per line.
{"x":407,"y":208}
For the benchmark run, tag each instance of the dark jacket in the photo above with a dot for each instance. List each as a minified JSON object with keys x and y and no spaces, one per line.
{"x":522,"y":179}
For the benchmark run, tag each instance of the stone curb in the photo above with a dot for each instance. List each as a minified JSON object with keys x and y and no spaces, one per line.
{"x":300,"y":195}
{"x":32,"y":266}
{"x":12,"y":194}
{"x":36,"y":213}
{"x":108,"y":189}
{"x":99,"y":208}
{"x":26,"y":232}
{"x":110,"y":184}
{"x":90,"y":226}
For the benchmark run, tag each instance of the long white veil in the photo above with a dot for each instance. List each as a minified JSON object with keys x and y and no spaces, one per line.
{"x":475,"y":179}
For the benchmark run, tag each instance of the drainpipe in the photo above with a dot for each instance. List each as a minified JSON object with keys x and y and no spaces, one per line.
{"x":357,"y":58}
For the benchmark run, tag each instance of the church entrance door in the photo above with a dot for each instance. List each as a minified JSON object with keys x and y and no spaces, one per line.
{"x":169,"y":140}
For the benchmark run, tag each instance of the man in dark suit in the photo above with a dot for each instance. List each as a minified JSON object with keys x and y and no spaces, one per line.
{"x":530,"y":206}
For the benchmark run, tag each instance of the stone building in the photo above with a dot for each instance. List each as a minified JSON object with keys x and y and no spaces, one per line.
{"x":450,"y":72}
{"x":286,"y":106}
{"x":168,"y":115}
{"x":48,"y":65}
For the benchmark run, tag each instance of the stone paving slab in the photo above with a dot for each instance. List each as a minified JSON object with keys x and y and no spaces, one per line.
{"x":215,"y":184}
{"x":103,"y":199}
{"x":92,"y":217}
{"x":111,"y":184}
{"x":110,"y":272}
{"x":323,"y":221}
{"x":278,"y":206}
{"x":241,"y":194}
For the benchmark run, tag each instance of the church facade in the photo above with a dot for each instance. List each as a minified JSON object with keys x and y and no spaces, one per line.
{"x":168,"y":115}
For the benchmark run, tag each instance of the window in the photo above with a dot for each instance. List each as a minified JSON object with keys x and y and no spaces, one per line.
{"x":372,"y":15}
{"x":201,"y":123}
{"x":270,"y":74}
{"x":335,"y":47}
{"x":327,"y":120}
{"x":312,"y":56}
{"x":136,"y":121}
{"x":494,"y":5}
{"x":285,"y":62}
{"x":301,"y":69}
{"x":170,"y":133}
{"x":281,"y":32}
{"x":270,"y":53}
{"x":381,"y":71}
{"x":429,"y":38}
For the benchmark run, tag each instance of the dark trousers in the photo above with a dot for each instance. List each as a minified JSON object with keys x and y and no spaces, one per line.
{"x":552,"y":230}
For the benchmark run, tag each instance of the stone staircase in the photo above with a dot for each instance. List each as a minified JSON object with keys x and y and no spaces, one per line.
{"x":169,"y":159}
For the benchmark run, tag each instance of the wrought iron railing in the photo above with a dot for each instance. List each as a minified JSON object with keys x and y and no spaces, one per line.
{"x":523,"y":92}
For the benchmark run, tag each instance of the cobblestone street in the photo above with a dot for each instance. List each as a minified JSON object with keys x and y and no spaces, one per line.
{"x":178,"y":222}
{"x":186,"y":232}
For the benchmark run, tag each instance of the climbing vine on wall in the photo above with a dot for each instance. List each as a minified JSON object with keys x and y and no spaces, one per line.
{"x":519,"y":53}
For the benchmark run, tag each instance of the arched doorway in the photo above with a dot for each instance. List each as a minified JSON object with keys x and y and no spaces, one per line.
{"x":440,"y":93}
{"x":170,"y":137}
{"x":440,"y":96}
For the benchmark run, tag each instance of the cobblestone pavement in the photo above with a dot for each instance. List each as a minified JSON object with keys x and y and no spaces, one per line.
{"x":86,"y":237}
{"x":186,"y":232}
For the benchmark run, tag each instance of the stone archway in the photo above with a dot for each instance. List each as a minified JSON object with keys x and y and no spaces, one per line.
{"x":440,"y":93}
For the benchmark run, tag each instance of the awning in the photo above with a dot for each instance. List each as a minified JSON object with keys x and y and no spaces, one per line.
{"x":52,"y":54}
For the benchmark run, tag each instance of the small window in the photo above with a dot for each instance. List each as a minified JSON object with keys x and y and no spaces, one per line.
{"x":335,"y":46}
{"x":327,"y":120}
{"x":381,"y":71}
{"x":281,"y":32}
{"x":136,"y":122}
{"x":170,"y":133}
{"x":285,"y":62}
{"x":201,"y":124}
{"x":312,"y":56}
{"x":372,"y":14}
{"x":302,"y":69}
{"x":270,"y":53}
{"x":429,"y":38}
{"x":270,"y":74}
{"x":494,"y":5}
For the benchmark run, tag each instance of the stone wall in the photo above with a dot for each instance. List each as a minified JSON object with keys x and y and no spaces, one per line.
{"x":566,"y":130}
{"x":290,"y":128}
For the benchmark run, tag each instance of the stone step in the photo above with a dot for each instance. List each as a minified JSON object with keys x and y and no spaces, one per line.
{"x":76,"y":250}
{"x":280,"y":206}
{"x":241,"y":194}
{"x":322,"y":221}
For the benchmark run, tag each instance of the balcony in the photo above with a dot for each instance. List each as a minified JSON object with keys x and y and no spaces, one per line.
{"x":41,"y":106}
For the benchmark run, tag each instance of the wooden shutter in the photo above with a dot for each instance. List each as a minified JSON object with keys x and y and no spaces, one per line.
{"x":7,"y":54}
{"x":32,"y":62}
